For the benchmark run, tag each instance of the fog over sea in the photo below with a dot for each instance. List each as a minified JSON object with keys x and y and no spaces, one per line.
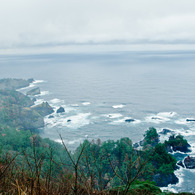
{"x":99,"y":91}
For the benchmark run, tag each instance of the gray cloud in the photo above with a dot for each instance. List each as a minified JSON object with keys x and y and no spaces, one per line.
{"x":49,"y":22}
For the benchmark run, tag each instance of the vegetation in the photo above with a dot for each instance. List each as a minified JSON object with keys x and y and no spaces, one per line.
{"x":177,"y":143}
{"x":30,"y":164}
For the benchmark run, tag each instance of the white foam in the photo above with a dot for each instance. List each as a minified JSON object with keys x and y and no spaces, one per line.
{"x":113,"y":115}
{"x":181,"y":122}
{"x":38,"y":81}
{"x":37,"y":102}
{"x":160,"y":117}
{"x":24,"y":88}
{"x":192,"y":147}
{"x":74,"y":105}
{"x":31,"y":85}
{"x":184,"y":132}
{"x":69,"y":142}
{"x":67,"y":108}
{"x":171,"y":187}
{"x":43,"y":93}
{"x":56,"y":101}
{"x":156,"y":119}
{"x":77,"y":121}
{"x":167,"y":114}
{"x":118,"y":106}
{"x":86,"y":103}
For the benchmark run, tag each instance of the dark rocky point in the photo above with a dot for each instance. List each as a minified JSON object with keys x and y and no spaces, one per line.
{"x":129,"y":120}
{"x":34,"y":99}
{"x":13,"y":84}
{"x":141,"y":143}
{"x":43,"y":109}
{"x":163,"y":180}
{"x":190,"y":120}
{"x":68,"y":121}
{"x":156,"y":118}
{"x":189,"y":162}
{"x":60,"y":110}
{"x":51,"y":116}
{"x":180,"y":163}
{"x":135,"y":145}
{"x":165,"y":131}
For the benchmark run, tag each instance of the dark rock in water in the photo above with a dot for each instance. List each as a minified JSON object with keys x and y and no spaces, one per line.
{"x":68,"y":120}
{"x":60,"y":110}
{"x":165,"y":131}
{"x":34,"y":99}
{"x":176,"y":167}
{"x":141,"y":143}
{"x":43,"y":109}
{"x":135,"y":145}
{"x":35,"y":91}
{"x":189,"y":162}
{"x":163,"y":180}
{"x":156,"y":118}
{"x":180,"y":163}
{"x":190,"y":120}
{"x":31,"y":80}
{"x":51,"y":116}
{"x":129,"y":120}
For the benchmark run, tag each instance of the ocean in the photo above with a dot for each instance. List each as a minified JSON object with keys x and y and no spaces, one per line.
{"x":99,"y":91}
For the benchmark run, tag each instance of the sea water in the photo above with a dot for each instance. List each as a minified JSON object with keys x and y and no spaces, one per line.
{"x":99,"y":91}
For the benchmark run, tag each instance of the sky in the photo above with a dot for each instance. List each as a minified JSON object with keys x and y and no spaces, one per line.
{"x":59,"y":23}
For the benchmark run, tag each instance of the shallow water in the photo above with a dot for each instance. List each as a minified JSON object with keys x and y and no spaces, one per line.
{"x":100,"y":91}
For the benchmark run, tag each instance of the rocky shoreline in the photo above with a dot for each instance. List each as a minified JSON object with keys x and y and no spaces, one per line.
{"x":18,"y":109}
{"x":28,"y":116}
{"x":174,"y":144}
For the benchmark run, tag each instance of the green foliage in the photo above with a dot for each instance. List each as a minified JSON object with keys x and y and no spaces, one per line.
{"x":139,"y":187}
{"x":162,"y":160}
{"x":176,"y":141}
{"x":151,"y":137}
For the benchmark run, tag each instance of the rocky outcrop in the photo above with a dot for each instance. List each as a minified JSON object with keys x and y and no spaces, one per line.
{"x":177,"y":143}
{"x":30,"y":120}
{"x":11,"y":97}
{"x":129,"y":120}
{"x":190,"y":120}
{"x":156,"y":118}
{"x":13,"y":84}
{"x":189,"y":162}
{"x":16,"y":111}
{"x":165,"y":131}
{"x":135,"y":145}
{"x":34,"y":91}
{"x":163,"y":180}
{"x":43,"y":109}
{"x":180,"y":163}
{"x":34,"y":99}
{"x":60,"y":110}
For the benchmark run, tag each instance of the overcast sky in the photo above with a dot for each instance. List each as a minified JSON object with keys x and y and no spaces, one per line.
{"x":26,"y":23}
